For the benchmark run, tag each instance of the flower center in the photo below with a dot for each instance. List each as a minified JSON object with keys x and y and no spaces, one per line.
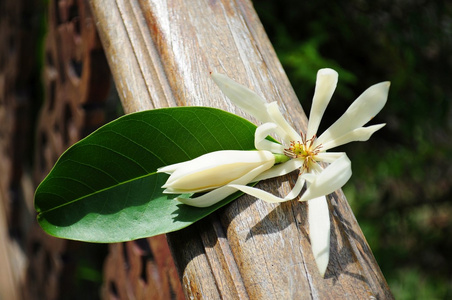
{"x":303,"y":149}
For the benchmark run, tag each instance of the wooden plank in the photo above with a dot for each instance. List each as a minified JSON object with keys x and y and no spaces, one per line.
{"x":141,"y":269}
{"x":161,"y":54}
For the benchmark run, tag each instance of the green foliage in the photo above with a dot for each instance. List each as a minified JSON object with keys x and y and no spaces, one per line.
{"x":411,"y":283}
{"x":105,"y":188}
{"x":402,"y":183}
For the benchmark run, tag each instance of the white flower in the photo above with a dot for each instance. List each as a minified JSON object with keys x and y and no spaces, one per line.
{"x":213,"y":172}
{"x":306,"y":150}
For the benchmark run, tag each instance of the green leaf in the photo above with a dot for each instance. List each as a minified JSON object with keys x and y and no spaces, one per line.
{"x":105,"y":187}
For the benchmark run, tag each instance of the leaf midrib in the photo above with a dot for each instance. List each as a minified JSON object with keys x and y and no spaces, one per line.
{"x":91,"y":194}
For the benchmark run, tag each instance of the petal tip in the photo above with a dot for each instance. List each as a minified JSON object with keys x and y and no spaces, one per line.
{"x":327,"y":71}
{"x":217,"y":77}
{"x":379,"y":126}
{"x":384,"y":85}
{"x":322,"y":270}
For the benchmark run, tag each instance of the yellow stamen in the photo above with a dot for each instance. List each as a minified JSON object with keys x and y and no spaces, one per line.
{"x":303,"y":149}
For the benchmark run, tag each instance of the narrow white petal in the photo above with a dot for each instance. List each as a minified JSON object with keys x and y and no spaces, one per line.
{"x":319,"y":232}
{"x":171,"y":168}
{"x":359,"y":113}
{"x":260,"y":141}
{"x":324,"y":89}
{"x":316,"y":168}
{"x":360,"y":134}
{"x":330,"y":179}
{"x":267,"y":197}
{"x":210,"y":198}
{"x":220,"y":193}
{"x":328,"y":157}
{"x":243,"y":97}
{"x":280,"y":170}
{"x":284,"y":130}
{"x":309,"y":177}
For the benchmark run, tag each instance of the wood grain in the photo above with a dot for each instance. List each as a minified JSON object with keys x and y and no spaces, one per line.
{"x":161,"y":54}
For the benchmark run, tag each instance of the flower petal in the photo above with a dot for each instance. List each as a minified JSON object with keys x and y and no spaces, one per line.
{"x":309,"y":177}
{"x":243,"y":97}
{"x":215,"y":169}
{"x":360,"y":134}
{"x":319,"y":231}
{"x":330,"y":179}
{"x":171,"y":168}
{"x":218,"y":194}
{"x":267,"y":197}
{"x":280,"y":170}
{"x":260,"y":141}
{"x":328,"y":157}
{"x":209,"y":198}
{"x":284,"y":130}
{"x":324,"y":89}
{"x":359,"y":113}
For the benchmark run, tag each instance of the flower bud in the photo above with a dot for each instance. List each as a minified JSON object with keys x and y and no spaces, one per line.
{"x":215,"y":169}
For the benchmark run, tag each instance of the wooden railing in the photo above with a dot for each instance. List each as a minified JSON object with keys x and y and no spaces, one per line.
{"x":160,"y":54}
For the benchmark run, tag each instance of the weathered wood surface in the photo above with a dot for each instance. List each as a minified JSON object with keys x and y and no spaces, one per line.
{"x":141,"y":269}
{"x":161,"y":54}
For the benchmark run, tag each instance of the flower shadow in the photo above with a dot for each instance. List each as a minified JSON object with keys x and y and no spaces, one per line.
{"x":281,"y":217}
{"x":349,"y":247}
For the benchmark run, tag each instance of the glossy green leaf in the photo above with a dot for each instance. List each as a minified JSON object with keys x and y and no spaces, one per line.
{"x":105,"y":188}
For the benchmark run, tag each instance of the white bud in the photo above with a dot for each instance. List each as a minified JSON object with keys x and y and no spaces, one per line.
{"x":215,"y":169}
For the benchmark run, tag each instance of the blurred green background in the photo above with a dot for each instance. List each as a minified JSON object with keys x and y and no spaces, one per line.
{"x":401,"y":185}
